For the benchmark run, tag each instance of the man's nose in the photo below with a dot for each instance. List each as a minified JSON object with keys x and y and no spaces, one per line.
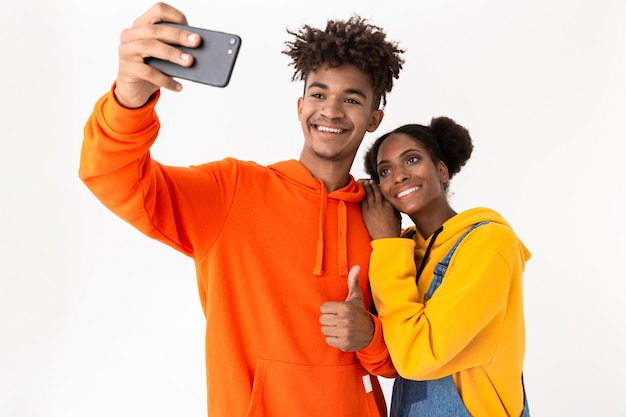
{"x":332,"y":109}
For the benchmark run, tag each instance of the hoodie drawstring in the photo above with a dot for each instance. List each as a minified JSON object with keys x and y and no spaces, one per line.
{"x":319,"y":258}
{"x":342,"y":236}
{"x":427,"y":253}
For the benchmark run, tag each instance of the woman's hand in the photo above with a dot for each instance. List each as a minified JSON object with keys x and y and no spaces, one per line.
{"x":380,"y":217}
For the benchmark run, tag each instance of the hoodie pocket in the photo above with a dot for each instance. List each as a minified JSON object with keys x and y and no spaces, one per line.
{"x":288,"y":390}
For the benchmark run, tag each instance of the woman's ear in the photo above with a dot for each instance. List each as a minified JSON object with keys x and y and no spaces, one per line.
{"x":444,"y":175}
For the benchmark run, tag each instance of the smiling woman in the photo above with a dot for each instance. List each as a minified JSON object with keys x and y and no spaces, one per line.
{"x":443,"y":328}
{"x":420,"y":158}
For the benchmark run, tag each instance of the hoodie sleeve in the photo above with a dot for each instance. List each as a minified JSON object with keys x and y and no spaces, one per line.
{"x":115,"y":164}
{"x":375,"y":357}
{"x":460,"y":326}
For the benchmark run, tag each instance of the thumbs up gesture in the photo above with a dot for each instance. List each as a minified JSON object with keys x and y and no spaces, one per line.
{"x":347,"y":324}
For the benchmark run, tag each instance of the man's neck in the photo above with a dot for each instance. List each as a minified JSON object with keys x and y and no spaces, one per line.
{"x":333,"y":174}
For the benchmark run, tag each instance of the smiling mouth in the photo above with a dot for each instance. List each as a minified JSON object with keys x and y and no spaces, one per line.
{"x":329,"y":129}
{"x":407,"y":192}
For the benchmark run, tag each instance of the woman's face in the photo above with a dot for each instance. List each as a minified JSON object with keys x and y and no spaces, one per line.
{"x":409,"y":179}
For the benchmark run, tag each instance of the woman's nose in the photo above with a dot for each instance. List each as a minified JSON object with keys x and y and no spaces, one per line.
{"x":400,"y":176}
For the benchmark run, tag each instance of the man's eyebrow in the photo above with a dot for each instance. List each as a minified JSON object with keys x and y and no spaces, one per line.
{"x":323,"y":86}
{"x":356,"y":91}
{"x":318,"y":85}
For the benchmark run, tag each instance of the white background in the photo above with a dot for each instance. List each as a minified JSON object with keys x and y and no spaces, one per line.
{"x":98,"y":320}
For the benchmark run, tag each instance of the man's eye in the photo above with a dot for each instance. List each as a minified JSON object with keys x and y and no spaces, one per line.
{"x":352,"y":101}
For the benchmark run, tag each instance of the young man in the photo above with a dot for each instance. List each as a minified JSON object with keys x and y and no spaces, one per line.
{"x":273,"y":245}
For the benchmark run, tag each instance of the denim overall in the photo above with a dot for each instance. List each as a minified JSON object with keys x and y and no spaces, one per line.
{"x":439,"y":397}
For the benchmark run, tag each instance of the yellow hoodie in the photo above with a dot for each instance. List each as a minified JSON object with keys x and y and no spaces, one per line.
{"x":473,"y":326}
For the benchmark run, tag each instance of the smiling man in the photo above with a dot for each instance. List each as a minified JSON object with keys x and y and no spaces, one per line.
{"x":288,"y":327}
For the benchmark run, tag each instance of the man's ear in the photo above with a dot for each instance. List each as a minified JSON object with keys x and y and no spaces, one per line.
{"x":299,"y":104}
{"x":375,"y":119}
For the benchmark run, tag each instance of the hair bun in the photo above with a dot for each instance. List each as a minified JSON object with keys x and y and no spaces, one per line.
{"x":455,"y":142}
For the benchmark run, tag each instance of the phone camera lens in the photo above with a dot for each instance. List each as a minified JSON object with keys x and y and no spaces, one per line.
{"x":232,"y":41}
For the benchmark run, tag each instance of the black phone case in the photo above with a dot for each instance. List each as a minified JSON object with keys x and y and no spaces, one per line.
{"x":214,"y":58}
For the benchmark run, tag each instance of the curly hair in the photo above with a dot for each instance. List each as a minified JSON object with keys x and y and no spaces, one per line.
{"x":444,"y":140}
{"x":354,"y":41}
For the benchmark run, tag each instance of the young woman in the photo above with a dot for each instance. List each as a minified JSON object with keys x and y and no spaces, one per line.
{"x":456,"y":337}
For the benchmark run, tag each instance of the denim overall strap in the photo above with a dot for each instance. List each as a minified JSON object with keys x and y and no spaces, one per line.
{"x":440,"y":269}
{"x":526,"y":410}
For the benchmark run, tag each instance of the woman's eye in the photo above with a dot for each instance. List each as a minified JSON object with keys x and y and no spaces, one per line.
{"x":413,"y":159}
{"x":383,"y":172}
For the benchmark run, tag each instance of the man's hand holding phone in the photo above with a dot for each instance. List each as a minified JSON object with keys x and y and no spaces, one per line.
{"x":136,"y":81}
{"x":172,"y":47}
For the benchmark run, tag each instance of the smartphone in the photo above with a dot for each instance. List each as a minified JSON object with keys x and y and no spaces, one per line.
{"x":214,"y":58}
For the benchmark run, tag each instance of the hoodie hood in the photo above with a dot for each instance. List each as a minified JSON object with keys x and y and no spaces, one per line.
{"x":456,"y":225}
{"x":294,"y":173}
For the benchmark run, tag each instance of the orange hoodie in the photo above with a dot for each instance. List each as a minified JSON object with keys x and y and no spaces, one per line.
{"x":270,"y":245}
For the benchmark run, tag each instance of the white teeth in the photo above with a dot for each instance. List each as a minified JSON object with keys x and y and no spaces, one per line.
{"x":407,"y":192}
{"x":329,"y":129}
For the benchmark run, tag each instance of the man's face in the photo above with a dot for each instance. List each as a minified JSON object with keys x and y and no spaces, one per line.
{"x":335,"y":112}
